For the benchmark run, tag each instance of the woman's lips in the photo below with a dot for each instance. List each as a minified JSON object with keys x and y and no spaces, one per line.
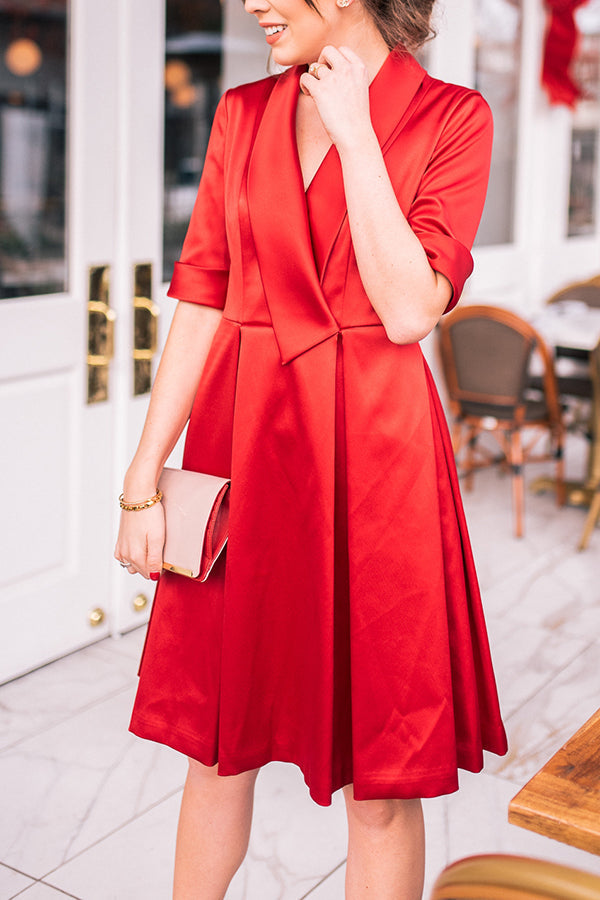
{"x":272,"y":35}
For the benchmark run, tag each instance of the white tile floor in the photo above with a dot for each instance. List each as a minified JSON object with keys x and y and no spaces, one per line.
{"x":89,"y":811}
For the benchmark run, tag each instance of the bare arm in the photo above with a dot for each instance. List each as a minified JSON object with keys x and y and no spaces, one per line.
{"x":141,"y":534}
{"x":407,"y":294}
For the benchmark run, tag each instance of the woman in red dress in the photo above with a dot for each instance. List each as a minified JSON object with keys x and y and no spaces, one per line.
{"x":343,"y":629}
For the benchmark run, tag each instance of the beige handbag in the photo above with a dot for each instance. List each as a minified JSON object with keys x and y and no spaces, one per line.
{"x":196,"y":510}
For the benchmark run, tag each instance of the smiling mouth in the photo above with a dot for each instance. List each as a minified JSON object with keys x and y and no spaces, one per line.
{"x":274,"y":29}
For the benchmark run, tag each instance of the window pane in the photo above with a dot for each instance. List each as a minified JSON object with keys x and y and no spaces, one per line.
{"x":192,"y":90}
{"x":33,"y":40}
{"x":586,"y":65}
{"x":582,"y":193}
{"x":497,"y":65}
{"x":583,"y":201}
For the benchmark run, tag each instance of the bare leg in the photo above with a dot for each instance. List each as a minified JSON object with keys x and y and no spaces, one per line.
{"x":386,"y":849}
{"x":213,"y":831}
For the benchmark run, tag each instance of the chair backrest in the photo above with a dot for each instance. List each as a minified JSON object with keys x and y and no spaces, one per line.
{"x":486,"y":352}
{"x":595,"y":413}
{"x":595,"y":366}
{"x":504,"y":877}
{"x":587,"y":292}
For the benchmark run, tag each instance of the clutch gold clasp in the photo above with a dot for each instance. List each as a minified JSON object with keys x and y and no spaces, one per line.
{"x":178,"y":570}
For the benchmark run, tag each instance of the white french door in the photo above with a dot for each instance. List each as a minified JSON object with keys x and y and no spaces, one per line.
{"x":81,"y":96}
{"x":94,"y":202}
{"x":541,"y":226}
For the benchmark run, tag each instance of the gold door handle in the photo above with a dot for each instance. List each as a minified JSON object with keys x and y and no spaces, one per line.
{"x":145,"y":329}
{"x":101,"y":333}
{"x":145,"y":340}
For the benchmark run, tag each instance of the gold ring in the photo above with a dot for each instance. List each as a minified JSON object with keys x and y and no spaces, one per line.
{"x":313,"y":69}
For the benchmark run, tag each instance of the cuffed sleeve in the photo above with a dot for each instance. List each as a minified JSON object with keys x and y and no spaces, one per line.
{"x":197,"y":284}
{"x":446,"y":211}
{"x":201,"y":275}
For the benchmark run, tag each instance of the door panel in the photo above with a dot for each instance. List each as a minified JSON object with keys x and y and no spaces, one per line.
{"x":139,"y":241}
{"x":33,"y":99}
{"x":36,"y":489}
{"x":36,"y":337}
{"x":57,"y":449}
{"x":82,"y":181}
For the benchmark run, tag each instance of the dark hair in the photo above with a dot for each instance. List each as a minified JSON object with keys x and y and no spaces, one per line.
{"x":405,"y":22}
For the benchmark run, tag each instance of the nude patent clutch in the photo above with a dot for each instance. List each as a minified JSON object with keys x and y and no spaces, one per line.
{"x":196,"y":510}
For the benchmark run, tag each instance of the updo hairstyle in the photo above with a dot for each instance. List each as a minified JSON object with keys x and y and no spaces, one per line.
{"x":405,"y":22}
{"x":398,"y":21}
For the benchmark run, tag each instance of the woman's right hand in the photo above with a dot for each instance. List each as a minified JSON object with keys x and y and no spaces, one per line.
{"x":142,"y":533}
{"x":141,"y":540}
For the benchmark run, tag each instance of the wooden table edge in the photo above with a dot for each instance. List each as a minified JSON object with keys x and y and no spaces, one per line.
{"x":552,"y":827}
{"x":526,"y":813}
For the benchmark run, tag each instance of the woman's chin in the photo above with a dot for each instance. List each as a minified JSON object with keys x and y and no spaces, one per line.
{"x":288,"y":58}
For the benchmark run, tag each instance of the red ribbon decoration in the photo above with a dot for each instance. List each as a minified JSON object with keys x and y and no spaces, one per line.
{"x":561,"y":39}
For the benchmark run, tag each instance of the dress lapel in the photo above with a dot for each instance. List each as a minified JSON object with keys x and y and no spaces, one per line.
{"x":277,"y":204}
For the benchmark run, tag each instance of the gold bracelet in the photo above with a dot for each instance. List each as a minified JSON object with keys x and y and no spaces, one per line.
{"x":143,"y":504}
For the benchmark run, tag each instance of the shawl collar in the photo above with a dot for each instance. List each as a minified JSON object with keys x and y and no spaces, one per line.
{"x":277,"y":203}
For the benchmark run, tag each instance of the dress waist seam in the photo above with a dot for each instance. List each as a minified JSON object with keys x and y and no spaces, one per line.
{"x":269,"y":326}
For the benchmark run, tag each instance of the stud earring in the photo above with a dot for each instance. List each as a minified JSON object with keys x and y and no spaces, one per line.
{"x":342,"y":3}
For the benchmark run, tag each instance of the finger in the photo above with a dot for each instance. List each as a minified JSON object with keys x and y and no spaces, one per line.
{"x":120,"y":550}
{"x":128,"y":559}
{"x":308,"y":84}
{"x":120,"y":554}
{"x":317,"y":70}
{"x":330,"y":55}
{"x":154,"y":559}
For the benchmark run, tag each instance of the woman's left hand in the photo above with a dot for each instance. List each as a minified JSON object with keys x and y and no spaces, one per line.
{"x":340,"y":89}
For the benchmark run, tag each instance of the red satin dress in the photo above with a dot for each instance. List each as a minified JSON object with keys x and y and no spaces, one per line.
{"x":343,"y":630}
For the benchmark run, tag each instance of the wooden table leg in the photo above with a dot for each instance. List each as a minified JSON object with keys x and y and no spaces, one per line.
{"x":590,"y":522}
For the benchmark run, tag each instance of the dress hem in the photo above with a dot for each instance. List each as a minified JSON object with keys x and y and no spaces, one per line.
{"x":440,"y":784}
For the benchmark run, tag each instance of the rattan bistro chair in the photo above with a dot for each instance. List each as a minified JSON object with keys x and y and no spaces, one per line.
{"x":594,"y":465}
{"x":504,"y":877}
{"x":575,"y":385}
{"x":486,"y":353}
{"x":587,"y":292}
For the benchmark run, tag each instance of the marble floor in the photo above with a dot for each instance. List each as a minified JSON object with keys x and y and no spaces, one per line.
{"x":88,"y":811}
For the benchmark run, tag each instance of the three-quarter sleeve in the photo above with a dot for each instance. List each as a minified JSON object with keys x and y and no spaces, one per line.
{"x":446,"y":211}
{"x":202,"y":272}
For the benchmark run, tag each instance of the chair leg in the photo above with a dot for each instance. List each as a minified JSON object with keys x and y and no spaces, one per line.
{"x":456,"y":436}
{"x":516,"y":465}
{"x":590,"y":522}
{"x":470,"y":457}
{"x":561,"y":493}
